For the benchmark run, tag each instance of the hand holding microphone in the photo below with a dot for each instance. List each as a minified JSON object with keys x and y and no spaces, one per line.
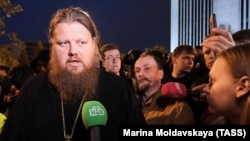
{"x":94,"y":115}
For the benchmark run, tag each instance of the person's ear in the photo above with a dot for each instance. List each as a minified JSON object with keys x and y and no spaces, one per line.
{"x":243,"y":87}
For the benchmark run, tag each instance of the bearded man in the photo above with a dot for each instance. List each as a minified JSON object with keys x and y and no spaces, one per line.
{"x":49,"y":104}
{"x":157,"y":108}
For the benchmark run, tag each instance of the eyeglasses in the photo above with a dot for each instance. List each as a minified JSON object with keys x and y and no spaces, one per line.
{"x":112,"y":58}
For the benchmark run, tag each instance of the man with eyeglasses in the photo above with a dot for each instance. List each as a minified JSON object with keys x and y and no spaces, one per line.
{"x":50,"y":104}
{"x":111,"y":58}
{"x":112,"y":62}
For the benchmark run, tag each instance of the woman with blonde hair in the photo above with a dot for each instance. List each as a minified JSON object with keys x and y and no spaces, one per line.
{"x":228,"y":91}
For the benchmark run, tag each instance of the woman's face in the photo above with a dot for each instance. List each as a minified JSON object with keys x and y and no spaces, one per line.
{"x":222,"y":85}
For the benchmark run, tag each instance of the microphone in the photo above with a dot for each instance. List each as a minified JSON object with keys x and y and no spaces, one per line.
{"x":94,"y":115}
{"x":177,"y":90}
{"x":174,"y":90}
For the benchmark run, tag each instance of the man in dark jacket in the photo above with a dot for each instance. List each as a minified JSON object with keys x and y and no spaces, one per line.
{"x":49,"y":104}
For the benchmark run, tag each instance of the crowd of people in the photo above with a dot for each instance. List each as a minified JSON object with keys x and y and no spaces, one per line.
{"x":50,"y":93}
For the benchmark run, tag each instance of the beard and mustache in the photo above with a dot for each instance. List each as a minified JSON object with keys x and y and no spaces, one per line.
{"x":73,"y":87}
{"x":142,"y":88}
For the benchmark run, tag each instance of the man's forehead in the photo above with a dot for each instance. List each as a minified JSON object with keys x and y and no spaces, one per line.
{"x":111,"y":50}
{"x":145,"y":61}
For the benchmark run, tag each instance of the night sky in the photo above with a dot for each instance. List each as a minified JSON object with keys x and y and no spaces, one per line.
{"x":131,"y":24}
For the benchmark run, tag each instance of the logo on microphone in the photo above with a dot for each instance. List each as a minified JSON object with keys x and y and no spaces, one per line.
{"x":178,"y":88}
{"x":94,"y":114}
{"x":96,"y":111}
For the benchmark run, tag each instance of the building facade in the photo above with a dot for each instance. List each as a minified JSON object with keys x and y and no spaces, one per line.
{"x":190,"y":19}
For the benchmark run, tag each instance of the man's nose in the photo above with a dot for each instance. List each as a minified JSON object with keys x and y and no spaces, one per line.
{"x":70,"y":54}
{"x":72,"y":50}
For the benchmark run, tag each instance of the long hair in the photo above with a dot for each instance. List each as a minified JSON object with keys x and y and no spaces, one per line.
{"x":237,"y":59}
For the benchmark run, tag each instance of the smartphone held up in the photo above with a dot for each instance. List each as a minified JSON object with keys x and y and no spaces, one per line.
{"x":212,"y":22}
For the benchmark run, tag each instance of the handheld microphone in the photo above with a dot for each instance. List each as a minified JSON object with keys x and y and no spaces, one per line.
{"x":94,"y":115}
{"x":177,"y":90}
{"x":174,"y":90}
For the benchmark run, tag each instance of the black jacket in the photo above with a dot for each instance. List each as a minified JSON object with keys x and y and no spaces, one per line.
{"x":37,"y":116}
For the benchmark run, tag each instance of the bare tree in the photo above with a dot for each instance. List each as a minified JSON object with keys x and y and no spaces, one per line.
{"x":7,"y":10}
